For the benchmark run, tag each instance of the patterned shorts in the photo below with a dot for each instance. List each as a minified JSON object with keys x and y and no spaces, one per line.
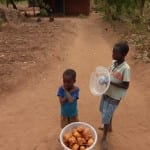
{"x":107,"y":107}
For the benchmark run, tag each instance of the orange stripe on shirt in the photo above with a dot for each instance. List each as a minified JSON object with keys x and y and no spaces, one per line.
{"x":118,"y":75}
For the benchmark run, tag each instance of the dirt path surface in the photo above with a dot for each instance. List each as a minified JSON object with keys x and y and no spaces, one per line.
{"x":29,"y":115}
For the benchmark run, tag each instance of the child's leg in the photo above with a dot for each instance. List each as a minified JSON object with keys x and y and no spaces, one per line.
{"x":107,"y":121}
{"x":104,"y":141}
{"x":110,"y":125}
{"x":64,"y":121}
{"x":74,"y":119}
{"x":106,"y":127}
{"x":101,"y":109}
{"x":101,"y":127}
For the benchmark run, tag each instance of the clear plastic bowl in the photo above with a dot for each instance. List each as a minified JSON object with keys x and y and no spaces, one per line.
{"x":99,"y":81}
{"x":71,"y":126}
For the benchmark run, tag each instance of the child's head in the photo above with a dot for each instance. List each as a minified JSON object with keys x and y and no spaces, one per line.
{"x":69,"y":78}
{"x":120,"y":50}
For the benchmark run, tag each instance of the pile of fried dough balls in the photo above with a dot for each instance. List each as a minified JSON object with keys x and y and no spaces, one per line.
{"x":80,"y":138}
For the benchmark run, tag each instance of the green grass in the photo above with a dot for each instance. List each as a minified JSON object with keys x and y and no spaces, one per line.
{"x":2,"y":1}
{"x":1,"y":21}
{"x":22,"y":2}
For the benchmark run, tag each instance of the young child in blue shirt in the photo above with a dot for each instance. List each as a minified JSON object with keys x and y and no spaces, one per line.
{"x":68,"y":95}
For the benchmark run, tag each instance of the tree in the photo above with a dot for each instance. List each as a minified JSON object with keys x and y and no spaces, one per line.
{"x":115,"y":8}
{"x":11,"y":2}
{"x":142,"y":3}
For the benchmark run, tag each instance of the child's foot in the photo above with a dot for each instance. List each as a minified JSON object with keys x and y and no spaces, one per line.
{"x":102,"y":129}
{"x":110,"y":129}
{"x":104,"y":144}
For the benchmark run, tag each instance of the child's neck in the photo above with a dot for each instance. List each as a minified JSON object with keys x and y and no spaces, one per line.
{"x":120,"y":61}
{"x":71,"y":88}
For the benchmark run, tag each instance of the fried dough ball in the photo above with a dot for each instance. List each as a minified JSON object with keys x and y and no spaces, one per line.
{"x":67,"y":136}
{"x":76,"y":134}
{"x":81,"y":141}
{"x":87,"y":134}
{"x":90,"y":142}
{"x":80,"y":129}
{"x":75,"y":147}
{"x":72,"y":140}
{"x":82,"y":148}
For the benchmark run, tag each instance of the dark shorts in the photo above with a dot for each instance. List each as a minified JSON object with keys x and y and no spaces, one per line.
{"x":107,"y":107}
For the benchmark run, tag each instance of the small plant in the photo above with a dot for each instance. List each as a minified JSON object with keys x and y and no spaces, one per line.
{"x":82,"y":16}
{"x":2,"y":1}
{"x":44,"y":8}
{"x":1,"y":21}
{"x":43,"y":13}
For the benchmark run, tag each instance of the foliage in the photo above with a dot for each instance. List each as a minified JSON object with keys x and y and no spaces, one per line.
{"x":133,"y":16}
{"x":2,"y":1}
{"x":1,"y":21}
{"x":43,"y":13}
{"x":44,"y":8}
{"x":115,"y":8}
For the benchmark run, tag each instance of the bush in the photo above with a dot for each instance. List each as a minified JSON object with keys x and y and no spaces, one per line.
{"x":43,"y":12}
{"x":116,"y":8}
{"x":2,"y":1}
{"x":33,"y":3}
{"x":1,"y":21}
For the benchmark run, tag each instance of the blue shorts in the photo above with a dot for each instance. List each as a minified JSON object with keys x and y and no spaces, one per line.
{"x":107,"y":108}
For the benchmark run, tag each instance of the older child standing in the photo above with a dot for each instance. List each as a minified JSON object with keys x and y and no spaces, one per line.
{"x":68,"y":95}
{"x":120,"y":78}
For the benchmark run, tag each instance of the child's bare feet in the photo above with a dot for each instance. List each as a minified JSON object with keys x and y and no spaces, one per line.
{"x":102,"y":128}
{"x":110,"y":129}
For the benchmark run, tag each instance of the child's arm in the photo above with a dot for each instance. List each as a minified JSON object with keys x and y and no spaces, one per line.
{"x":62,"y":100}
{"x":124,"y":85}
{"x":62,"y":96}
{"x":68,"y":95}
{"x":125,"y":81}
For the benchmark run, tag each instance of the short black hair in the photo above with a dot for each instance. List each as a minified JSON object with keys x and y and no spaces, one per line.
{"x":71,"y":73}
{"x":123,"y":47}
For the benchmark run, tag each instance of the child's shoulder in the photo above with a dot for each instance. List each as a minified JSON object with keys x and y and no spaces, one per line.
{"x":76,"y":88}
{"x":60,"y":88}
{"x":126,"y":65}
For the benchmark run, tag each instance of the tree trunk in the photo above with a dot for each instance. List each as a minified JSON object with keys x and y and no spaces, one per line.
{"x":142,"y":3}
{"x":108,"y":11}
{"x":11,"y":2}
{"x":3,"y":15}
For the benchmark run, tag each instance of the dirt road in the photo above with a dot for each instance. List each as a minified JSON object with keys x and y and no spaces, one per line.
{"x":29,"y":117}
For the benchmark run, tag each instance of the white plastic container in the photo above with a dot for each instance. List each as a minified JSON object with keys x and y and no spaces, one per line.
{"x":71,"y":126}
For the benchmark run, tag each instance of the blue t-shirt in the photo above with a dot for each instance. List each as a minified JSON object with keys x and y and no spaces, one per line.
{"x":69,"y":109}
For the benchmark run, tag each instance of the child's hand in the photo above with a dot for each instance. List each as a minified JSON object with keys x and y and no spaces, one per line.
{"x":74,"y":89}
{"x":69,"y":98}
